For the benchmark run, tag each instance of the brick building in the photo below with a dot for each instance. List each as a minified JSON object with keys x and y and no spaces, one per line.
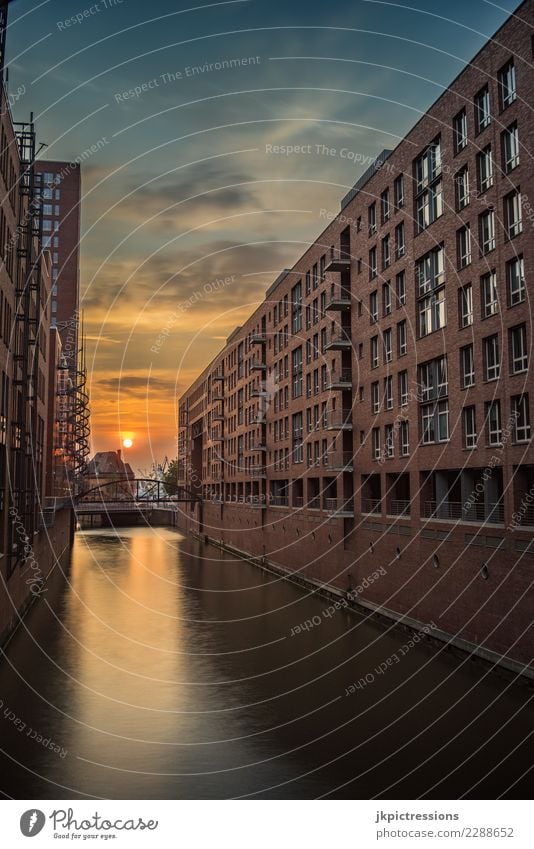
{"x":376,"y":409}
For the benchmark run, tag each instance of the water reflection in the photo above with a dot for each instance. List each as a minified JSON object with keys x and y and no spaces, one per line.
{"x":166,"y":669}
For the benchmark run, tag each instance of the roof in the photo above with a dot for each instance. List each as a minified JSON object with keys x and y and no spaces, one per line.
{"x":108,"y":463}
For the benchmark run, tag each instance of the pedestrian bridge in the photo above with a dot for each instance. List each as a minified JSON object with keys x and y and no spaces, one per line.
{"x":134,"y":496}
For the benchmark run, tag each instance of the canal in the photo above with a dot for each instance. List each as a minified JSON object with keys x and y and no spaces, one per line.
{"x":164,"y":668}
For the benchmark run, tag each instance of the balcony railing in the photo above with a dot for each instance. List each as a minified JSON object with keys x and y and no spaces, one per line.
{"x":340,"y":379}
{"x":255,"y":500}
{"x":279,"y":500}
{"x":339,"y":420}
{"x":339,"y":461}
{"x":217,"y":396}
{"x":339,"y":339}
{"x":339,"y":505}
{"x":338,"y":261}
{"x":257,"y":364}
{"x":216,"y":437}
{"x":314,"y":503}
{"x":524,"y":515}
{"x":218,"y":377}
{"x":258,"y":472}
{"x":258,"y":338}
{"x":339,"y":301}
{"x":371,"y":505}
{"x":258,"y":446}
{"x":259,"y":393}
{"x":398,"y":507}
{"x":456,"y":511}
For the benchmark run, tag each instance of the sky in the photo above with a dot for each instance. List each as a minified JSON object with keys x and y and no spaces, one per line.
{"x":190,"y":210}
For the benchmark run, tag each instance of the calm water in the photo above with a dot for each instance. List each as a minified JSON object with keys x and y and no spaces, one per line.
{"x":165,"y":669}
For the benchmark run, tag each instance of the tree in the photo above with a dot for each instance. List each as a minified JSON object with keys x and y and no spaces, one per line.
{"x":170,"y":477}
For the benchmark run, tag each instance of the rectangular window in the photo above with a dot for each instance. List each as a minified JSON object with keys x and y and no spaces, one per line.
{"x":388,"y":392}
{"x":384,"y":204}
{"x":373,"y":268}
{"x":402,"y":340}
{"x":371,"y":218}
{"x":507,"y":84}
{"x":485,"y":169}
{"x":518,"y":349}
{"x":515,"y":275}
{"x":374,"y":352}
{"x":403,"y":388}
{"x":315,"y":276}
{"x":463,"y":246}
{"x":466,"y":305}
{"x":460,"y":131}
{"x":404,"y":438}
{"x":510,"y":148}
{"x":388,"y":440}
{"x":375,"y":439}
{"x":493,"y":419}
{"x":469,"y":427}
{"x":432,"y":313}
{"x":428,"y":200}
{"x":373,"y":307}
{"x":296,"y":308}
{"x":386,"y":253}
{"x":298,"y":452}
{"x":308,"y":283}
{"x":400,"y":244}
{"x":388,"y":349}
{"x":375,"y":398}
{"x":521,"y":416}
{"x":482,"y":109}
{"x":398,"y":191}
{"x":467,"y":366}
{"x":296,"y":362}
{"x":386,"y":298}
{"x":487,"y":231}
{"x":429,"y":271}
{"x":492,"y":360}
{"x":462,"y":188}
{"x":489,"y":294}
{"x":401,"y":288}
{"x":512,"y":214}
{"x":435,"y":422}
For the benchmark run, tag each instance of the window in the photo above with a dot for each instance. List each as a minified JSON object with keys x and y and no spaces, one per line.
{"x":386,"y":298}
{"x":515,"y":275}
{"x":428,"y":196}
{"x":388,"y":351}
{"x":460,"y":131}
{"x":467,"y":366}
{"x":462,"y":188}
{"x":433,"y":379}
{"x":482,"y":109}
{"x":432,"y":314}
{"x":403,"y":388}
{"x":388,"y":392}
{"x":371,"y":218}
{"x":487,"y":231}
{"x":373,"y":307}
{"x":308,"y":282}
{"x":388,"y":440}
{"x":384,"y":204}
{"x":435,"y":422}
{"x":492,"y":362}
{"x":463,"y":246}
{"x":469,"y":427}
{"x":402,"y":341}
{"x":400,"y":245}
{"x":298,"y":453}
{"x":404,"y":438}
{"x":518,"y":349}
{"x":489,"y":294}
{"x":510,"y":148}
{"x":521,"y":416}
{"x":374,"y":352}
{"x":512,"y":214}
{"x":386,"y":252}
{"x":296,"y":358}
{"x":429,"y":271}
{"x":485,"y":169}
{"x":507,"y":84}
{"x":375,"y":398}
{"x":375,"y":441}
{"x":315,"y":276}
{"x":398,"y":191}
{"x":296,"y":307}
{"x":401,"y":288}
{"x":373,"y":268}
{"x":493,"y":419}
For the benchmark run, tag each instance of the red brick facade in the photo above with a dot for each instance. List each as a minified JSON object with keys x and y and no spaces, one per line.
{"x":400,"y":435}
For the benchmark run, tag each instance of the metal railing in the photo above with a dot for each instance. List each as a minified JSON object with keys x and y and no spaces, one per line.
{"x":399,"y":507}
{"x":371,"y":505}
{"x":279,"y":500}
{"x":338,"y":505}
{"x":457,"y":511}
{"x":339,"y":419}
{"x":338,"y":460}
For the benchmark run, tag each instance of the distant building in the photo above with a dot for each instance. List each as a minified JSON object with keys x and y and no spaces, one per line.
{"x":108,"y":467}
